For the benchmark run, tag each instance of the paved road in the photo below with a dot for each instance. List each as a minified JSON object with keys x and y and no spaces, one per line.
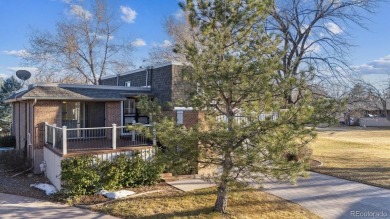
{"x":13,"y":206}
{"x":334,"y":198}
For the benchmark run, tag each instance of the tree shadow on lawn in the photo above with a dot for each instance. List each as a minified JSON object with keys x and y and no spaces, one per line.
{"x":235,"y":208}
{"x":376,"y":176}
{"x":251,"y":200}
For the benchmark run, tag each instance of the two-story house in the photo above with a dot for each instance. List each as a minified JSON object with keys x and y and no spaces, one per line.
{"x":55,"y":121}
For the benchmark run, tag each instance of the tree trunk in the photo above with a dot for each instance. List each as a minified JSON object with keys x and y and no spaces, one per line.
{"x":221,"y":202}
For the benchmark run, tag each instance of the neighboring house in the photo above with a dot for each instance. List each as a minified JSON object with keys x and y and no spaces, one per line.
{"x":55,"y":121}
{"x":368,"y":114}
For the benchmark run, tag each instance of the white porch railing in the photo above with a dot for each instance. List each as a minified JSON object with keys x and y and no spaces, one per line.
{"x":79,"y":139}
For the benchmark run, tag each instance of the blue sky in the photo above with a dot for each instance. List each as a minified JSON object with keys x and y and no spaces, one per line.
{"x":142,"y":24}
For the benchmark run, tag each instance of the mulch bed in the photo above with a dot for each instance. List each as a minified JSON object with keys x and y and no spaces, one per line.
{"x":20,"y":185}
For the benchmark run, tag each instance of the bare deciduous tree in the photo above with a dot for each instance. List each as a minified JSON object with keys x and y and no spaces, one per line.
{"x":179,"y":32}
{"x":315,"y":39}
{"x":83,"y":48}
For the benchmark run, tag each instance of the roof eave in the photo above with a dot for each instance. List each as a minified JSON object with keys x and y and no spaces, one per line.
{"x":63,"y":98}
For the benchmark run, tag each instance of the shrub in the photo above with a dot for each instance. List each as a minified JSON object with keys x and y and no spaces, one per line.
{"x":112,"y":173}
{"x":80,"y":175}
{"x":7,"y":141}
{"x":85,"y":174}
{"x":140,"y":172}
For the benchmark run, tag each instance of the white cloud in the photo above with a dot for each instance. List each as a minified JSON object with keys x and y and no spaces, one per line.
{"x":179,"y":14}
{"x":378,"y":66}
{"x":138,"y":42}
{"x":79,"y":11}
{"x":17,"y":53}
{"x":334,"y":28}
{"x":103,"y":37}
{"x":128,"y":14}
{"x":315,"y":47}
{"x":4,"y":76}
{"x":166,"y":43}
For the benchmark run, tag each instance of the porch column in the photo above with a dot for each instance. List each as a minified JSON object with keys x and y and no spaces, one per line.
{"x":114,"y":136}
{"x":154,"y":134}
{"x":54,"y":135}
{"x":64,"y":141}
{"x":46,"y":132}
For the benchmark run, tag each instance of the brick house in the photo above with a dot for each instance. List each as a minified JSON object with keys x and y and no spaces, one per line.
{"x":55,"y":121}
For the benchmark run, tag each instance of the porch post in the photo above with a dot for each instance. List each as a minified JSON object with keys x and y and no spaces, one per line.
{"x":154,"y":134}
{"x":64,"y":141}
{"x":54,"y":135}
{"x":114,"y":136}
{"x":133,"y":133}
{"x":46,"y":132}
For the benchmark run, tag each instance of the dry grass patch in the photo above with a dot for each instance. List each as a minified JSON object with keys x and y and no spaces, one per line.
{"x":356,"y":154}
{"x":172,"y":203}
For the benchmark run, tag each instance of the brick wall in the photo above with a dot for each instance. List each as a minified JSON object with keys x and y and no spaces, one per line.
{"x":113,"y":113}
{"x":113,"y":116}
{"x":45,"y":111}
{"x":190,"y":118}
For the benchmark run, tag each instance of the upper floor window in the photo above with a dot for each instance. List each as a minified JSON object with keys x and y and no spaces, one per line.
{"x":128,"y":84}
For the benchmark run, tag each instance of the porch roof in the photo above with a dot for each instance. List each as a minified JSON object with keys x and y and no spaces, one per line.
{"x":76,"y":92}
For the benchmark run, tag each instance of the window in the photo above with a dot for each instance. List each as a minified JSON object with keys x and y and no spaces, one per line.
{"x":128,"y":84}
{"x":129,"y":106}
{"x":179,"y":115}
{"x":131,"y":115}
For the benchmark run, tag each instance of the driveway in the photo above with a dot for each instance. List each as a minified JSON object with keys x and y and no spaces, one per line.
{"x":332,"y":198}
{"x":13,"y":206}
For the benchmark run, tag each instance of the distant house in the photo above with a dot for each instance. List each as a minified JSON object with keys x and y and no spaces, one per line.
{"x":368,"y":114}
{"x":55,"y":121}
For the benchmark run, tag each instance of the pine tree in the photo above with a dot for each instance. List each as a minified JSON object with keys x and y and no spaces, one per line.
{"x":9,"y":85}
{"x":250,"y":130}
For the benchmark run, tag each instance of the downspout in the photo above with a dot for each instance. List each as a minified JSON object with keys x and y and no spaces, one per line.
{"x":146,"y":81}
{"x":147,"y":75}
{"x":32,"y":136}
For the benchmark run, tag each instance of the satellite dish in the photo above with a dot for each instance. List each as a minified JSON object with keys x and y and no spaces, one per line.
{"x":23,"y":74}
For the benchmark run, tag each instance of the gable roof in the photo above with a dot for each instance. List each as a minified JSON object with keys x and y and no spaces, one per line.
{"x":76,"y":92}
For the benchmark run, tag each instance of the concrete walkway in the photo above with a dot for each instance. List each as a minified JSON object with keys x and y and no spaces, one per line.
{"x":326,"y":196}
{"x":332,"y":198}
{"x":187,"y":185}
{"x":13,"y":206}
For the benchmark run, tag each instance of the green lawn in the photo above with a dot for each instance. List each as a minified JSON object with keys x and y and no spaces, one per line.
{"x":172,"y":203}
{"x":359,"y":154}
